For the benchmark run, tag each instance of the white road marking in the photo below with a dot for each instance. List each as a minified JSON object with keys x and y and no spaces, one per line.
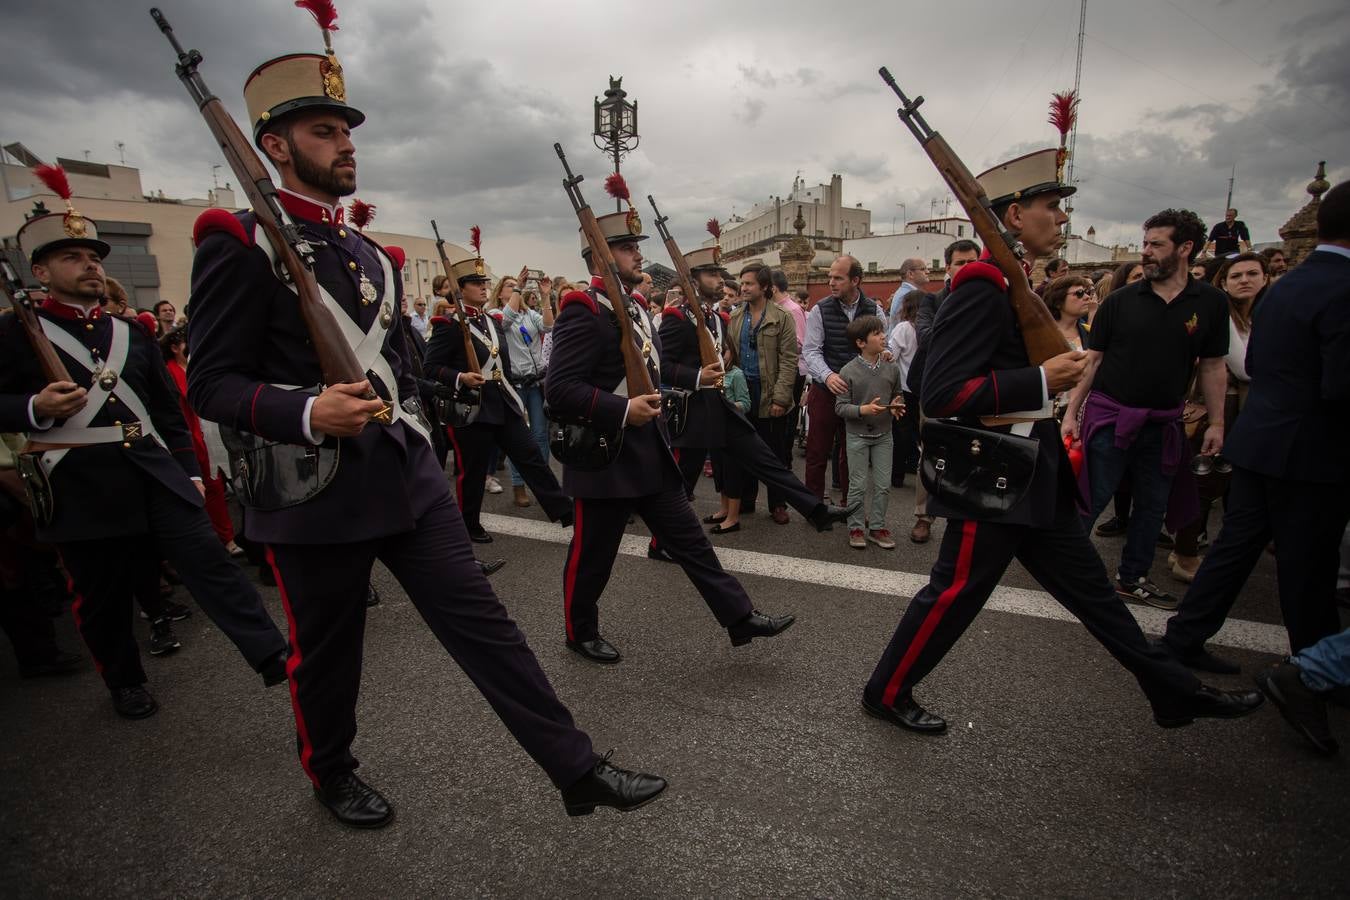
{"x":1237,"y":633}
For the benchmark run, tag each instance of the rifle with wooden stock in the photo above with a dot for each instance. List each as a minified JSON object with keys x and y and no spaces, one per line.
{"x":634,"y":365}
{"x":52,"y":368}
{"x":1040,"y":333}
{"x":470,"y":352}
{"x":708,"y":354}
{"x":337,"y":359}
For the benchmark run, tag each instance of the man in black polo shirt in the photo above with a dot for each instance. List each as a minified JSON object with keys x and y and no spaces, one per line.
{"x":1229,"y":236}
{"x":1146,"y":339}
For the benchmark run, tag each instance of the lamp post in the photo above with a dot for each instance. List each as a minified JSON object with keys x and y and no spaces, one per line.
{"x":615,"y":125}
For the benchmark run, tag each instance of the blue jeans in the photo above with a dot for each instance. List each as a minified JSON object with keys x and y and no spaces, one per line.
{"x":1107,"y":464}
{"x":1326,"y":664}
{"x":533,"y":398}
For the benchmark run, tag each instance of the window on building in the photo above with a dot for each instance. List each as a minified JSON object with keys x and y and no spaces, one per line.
{"x":937,"y":264}
{"x":960,"y":231}
{"x":872,"y":267}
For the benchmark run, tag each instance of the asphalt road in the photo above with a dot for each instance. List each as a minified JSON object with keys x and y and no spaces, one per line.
{"x":1052,"y":782}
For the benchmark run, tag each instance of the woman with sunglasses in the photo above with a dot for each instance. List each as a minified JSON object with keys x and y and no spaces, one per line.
{"x":1244,"y":277}
{"x":1070,"y":298}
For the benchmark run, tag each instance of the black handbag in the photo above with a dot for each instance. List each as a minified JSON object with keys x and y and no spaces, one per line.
{"x":269,"y":476}
{"x":581,"y":445}
{"x":675,"y":410}
{"x":976,"y":472}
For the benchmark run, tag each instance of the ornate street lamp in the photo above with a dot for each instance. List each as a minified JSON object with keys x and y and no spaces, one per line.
{"x":615,"y":124}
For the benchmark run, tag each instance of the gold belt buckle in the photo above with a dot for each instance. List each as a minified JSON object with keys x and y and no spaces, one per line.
{"x":132,"y":431}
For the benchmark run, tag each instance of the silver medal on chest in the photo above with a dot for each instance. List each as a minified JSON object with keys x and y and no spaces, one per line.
{"x":368,"y":292}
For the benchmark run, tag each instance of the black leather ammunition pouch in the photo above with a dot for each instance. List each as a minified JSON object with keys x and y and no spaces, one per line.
{"x":269,"y":475}
{"x":581,"y":445}
{"x":37,"y":486}
{"x":980,"y":473}
{"x":675,"y":410}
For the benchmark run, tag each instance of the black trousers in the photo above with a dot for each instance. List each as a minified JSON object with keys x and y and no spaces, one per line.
{"x":772,"y":432}
{"x":598,"y":529}
{"x":474,"y":445}
{"x":972,"y":559}
{"x":323,"y":588}
{"x":104,"y":573}
{"x":1306,"y":521}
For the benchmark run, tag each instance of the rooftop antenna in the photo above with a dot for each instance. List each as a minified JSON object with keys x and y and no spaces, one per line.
{"x":215,"y":181}
{"x":121,"y":151}
{"x":1231,"y":178}
{"x":1077,"y":92}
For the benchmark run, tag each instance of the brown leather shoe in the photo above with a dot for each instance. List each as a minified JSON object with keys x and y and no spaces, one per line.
{"x":522,"y":499}
{"x":779,"y":514}
{"x":921,"y":532}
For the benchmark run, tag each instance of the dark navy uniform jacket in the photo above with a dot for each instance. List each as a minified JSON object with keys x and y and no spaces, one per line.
{"x":247,"y":334}
{"x":96,"y":489}
{"x":681,"y":364}
{"x":446,"y":360}
{"x":978,"y":366}
{"x":585,"y":368}
{"x":1296,"y":421}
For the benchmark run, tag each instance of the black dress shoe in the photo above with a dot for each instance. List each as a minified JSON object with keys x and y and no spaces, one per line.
{"x":1200,"y":660}
{"x":372,"y":596}
{"x":491,"y":568}
{"x":825,"y":515}
{"x":567,"y":519}
{"x":596,"y":650}
{"x":1302,"y":707}
{"x":1207,"y":703}
{"x":355,"y":803}
{"x":608,"y":785}
{"x":273,"y":671}
{"x":479,"y":536}
{"x":1113,"y":527}
{"x":659,"y":552}
{"x":757,"y":624}
{"x":725,"y":529}
{"x":133,"y":702}
{"x":714,"y":518}
{"x":906,"y":713}
{"x":59,"y":663}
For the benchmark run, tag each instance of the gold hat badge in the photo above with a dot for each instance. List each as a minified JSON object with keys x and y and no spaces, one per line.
{"x":325,"y":14}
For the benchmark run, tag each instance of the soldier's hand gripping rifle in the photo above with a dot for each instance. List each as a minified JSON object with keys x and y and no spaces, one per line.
{"x":634,"y":365}
{"x":467,"y":395}
{"x":337,"y":359}
{"x":708,"y":354}
{"x":1040,"y":333}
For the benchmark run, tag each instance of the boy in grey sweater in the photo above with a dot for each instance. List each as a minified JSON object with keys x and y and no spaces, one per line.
{"x":867,"y":418}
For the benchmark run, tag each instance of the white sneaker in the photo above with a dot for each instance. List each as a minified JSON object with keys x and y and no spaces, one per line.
{"x":493,"y":485}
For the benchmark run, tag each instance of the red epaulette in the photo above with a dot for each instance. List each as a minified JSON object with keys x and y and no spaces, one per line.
{"x":219,"y":220}
{"x":673,"y":311}
{"x":724,"y":316}
{"x":980,"y":270}
{"x":148,"y":322}
{"x":581,"y":297}
{"x":441,"y":320}
{"x":398,"y":255}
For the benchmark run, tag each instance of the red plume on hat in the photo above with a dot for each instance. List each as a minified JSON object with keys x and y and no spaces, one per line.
{"x":325,"y":14}
{"x":617,"y":188}
{"x":476,"y":240}
{"x":54,"y":177}
{"x":1063,"y":115}
{"x":361,"y":213}
{"x":715,"y":229}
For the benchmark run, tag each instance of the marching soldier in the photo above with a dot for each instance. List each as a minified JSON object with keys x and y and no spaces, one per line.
{"x":978,"y":367}
{"x":385,"y":497}
{"x":713,"y":423}
{"x":584,"y":385}
{"x":500,"y":419}
{"x":112,"y":464}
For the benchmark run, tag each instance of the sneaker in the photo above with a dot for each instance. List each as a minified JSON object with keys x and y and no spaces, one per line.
{"x":162,"y":639}
{"x":882,"y":538}
{"x":176,"y":612}
{"x":856,"y":539}
{"x":1144,"y":591}
{"x":493,"y":485}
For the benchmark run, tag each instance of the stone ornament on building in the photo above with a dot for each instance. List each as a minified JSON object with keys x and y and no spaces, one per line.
{"x":1300,"y":232}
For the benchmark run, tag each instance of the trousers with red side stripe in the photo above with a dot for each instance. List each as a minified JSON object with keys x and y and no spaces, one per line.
{"x":323,"y":588}
{"x":598,"y":527}
{"x":972,"y":559}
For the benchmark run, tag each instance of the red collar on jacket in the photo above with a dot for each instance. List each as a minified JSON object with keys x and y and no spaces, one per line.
{"x":66,"y":311}
{"x":988,"y":257}
{"x":598,"y":284}
{"x":311,"y":210}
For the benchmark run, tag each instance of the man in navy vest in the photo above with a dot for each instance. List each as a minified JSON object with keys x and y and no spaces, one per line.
{"x":827,"y":349}
{"x":388,"y":498}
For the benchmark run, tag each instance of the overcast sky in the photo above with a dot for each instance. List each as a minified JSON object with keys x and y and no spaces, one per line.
{"x":464,"y":102}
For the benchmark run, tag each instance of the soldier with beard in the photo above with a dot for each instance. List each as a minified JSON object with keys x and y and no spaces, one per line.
{"x":385,"y":498}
